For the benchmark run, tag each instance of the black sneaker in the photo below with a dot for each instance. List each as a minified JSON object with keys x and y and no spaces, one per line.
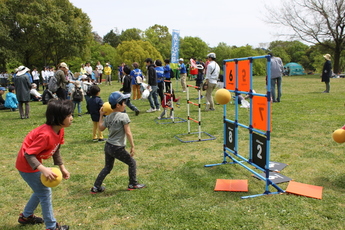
{"x":30,"y":219}
{"x":137,"y":112}
{"x":101,"y":140}
{"x":95,"y":190}
{"x":136,"y":186}
{"x":59,"y":227}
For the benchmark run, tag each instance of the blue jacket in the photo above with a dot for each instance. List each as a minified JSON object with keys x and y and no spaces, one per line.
{"x":134,"y":74}
{"x":94,"y":104}
{"x":167,"y":71}
{"x":11,"y":101}
{"x":183,"y":68}
{"x":160,"y":73}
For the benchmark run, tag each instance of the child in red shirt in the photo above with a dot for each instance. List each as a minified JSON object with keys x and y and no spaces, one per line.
{"x":44,"y":142}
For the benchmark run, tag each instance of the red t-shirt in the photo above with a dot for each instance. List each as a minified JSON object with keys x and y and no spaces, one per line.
{"x":42,"y":142}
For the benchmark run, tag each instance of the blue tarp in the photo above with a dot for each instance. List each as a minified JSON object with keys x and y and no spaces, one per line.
{"x":295,"y":69}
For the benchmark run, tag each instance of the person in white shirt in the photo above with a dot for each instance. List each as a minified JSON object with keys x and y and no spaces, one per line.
{"x":88,"y":69}
{"x":36,"y":77}
{"x":35,"y":95}
{"x":99,"y":69}
{"x":44,"y":75}
{"x":212,"y":74}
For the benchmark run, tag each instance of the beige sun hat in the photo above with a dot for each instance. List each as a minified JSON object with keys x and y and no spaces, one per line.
{"x":327,"y":56}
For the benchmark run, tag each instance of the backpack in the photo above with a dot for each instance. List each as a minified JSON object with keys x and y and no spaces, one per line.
{"x":88,"y":87}
{"x":52,"y":84}
{"x":172,"y":74}
{"x":77,"y":94}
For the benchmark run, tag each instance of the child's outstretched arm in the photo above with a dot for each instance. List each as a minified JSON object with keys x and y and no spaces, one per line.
{"x":130,"y":138}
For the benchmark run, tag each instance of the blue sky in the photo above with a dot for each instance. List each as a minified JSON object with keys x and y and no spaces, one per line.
{"x":233,"y":22}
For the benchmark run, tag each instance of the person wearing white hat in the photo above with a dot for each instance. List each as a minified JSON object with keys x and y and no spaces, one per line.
{"x":327,"y":72}
{"x":212,"y":74}
{"x":183,"y":74}
{"x":22,"y":86}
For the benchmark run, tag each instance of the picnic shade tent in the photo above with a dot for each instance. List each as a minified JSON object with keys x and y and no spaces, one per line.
{"x":295,"y":68}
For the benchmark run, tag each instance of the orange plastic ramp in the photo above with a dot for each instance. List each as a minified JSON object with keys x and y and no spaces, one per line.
{"x":304,"y":189}
{"x":231,"y":185}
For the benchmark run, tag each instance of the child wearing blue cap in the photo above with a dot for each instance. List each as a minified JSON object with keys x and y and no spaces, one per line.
{"x":118,"y":126}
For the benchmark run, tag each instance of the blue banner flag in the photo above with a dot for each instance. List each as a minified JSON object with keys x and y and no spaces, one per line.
{"x":175,"y":45}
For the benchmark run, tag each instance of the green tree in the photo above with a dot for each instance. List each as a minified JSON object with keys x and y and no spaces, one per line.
{"x":160,"y":38}
{"x":112,"y":38}
{"x":36,"y":37}
{"x":131,"y":34}
{"x":136,"y":51}
{"x":314,"y":21}
{"x":193,"y":47}
{"x":259,"y":66}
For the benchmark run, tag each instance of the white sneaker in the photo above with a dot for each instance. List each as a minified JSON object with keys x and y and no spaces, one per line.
{"x":150,"y":110}
{"x":159,"y":118}
{"x":158,"y":109}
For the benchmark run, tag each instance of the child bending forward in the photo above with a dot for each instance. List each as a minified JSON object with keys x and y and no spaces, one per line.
{"x":44,"y":142}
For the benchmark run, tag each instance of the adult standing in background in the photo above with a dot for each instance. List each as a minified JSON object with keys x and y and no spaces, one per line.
{"x":44,"y":75}
{"x":22,"y":86}
{"x":211,"y":78}
{"x":99,"y":68}
{"x":277,"y":69}
{"x":107,"y":72}
{"x":88,"y":69}
{"x":167,"y":74}
{"x":160,"y":78}
{"x":183,"y":74}
{"x":36,"y":77}
{"x":61,"y":81}
{"x":327,"y":72}
{"x":152,"y":86}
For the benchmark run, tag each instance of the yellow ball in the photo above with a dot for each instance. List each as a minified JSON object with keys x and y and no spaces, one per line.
{"x":48,"y":183}
{"x":107,"y":108}
{"x":222,"y":96}
{"x":339,"y":135}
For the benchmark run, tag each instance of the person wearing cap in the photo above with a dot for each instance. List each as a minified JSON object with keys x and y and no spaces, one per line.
{"x":277,"y":69}
{"x":212,"y":74}
{"x":22,"y":86}
{"x":77,"y":96}
{"x":107,"y":72}
{"x":2,"y":101}
{"x":119,"y":132}
{"x":327,"y":72}
{"x":183,"y":74}
{"x":60,"y":75}
{"x":152,"y":85}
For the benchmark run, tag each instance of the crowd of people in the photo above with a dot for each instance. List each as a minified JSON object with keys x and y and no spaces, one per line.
{"x":66,"y":92}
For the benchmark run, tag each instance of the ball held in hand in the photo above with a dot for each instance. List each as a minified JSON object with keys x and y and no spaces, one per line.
{"x":52,"y":183}
{"x":107,"y":108}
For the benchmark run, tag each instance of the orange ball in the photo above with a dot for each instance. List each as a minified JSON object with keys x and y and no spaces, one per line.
{"x":222,"y":96}
{"x":339,"y":135}
{"x":107,"y":108}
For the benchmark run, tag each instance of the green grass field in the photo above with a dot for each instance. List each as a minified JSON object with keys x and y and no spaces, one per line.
{"x":179,"y":193}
